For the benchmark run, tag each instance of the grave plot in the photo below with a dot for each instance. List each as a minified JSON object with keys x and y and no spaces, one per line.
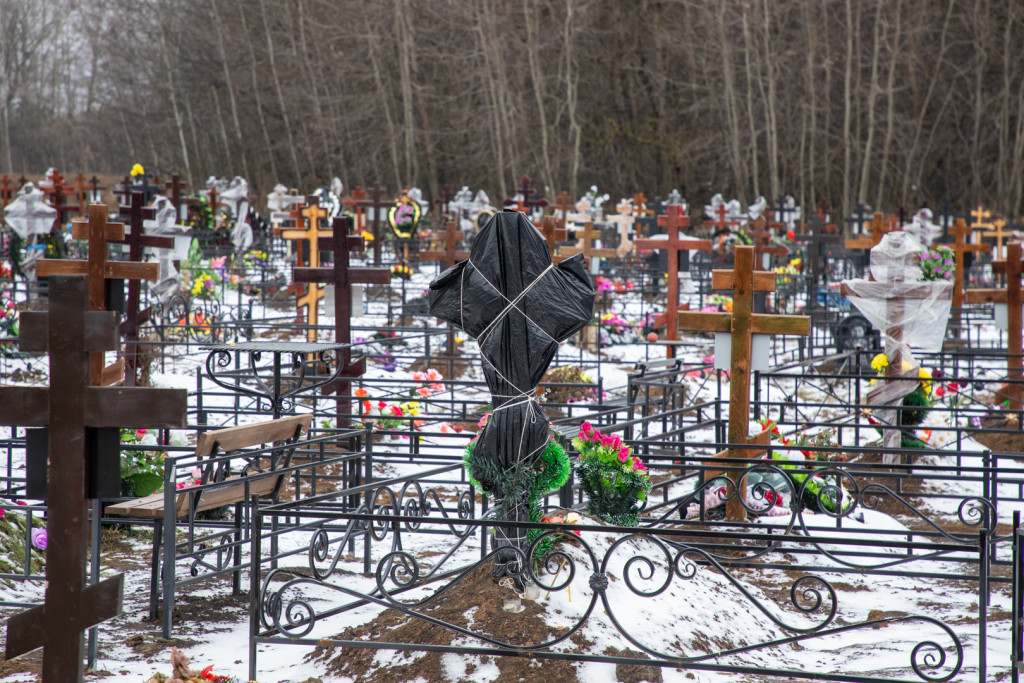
{"x":857,"y":560}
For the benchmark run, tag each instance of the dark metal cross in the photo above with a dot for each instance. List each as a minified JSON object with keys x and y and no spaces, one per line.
{"x":674,"y":222}
{"x":859,"y":219}
{"x":450,"y":254}
{"x":99,"y":232}
{"x":879,"y":227}
{"x":71,"y":408}
{"x":136,"y":240}
{"x":342,"y":276}
{"x":819,"y":237}
{"x":783,"y":211}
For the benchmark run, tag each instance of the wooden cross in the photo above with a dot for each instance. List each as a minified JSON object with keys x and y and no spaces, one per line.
{"x":640,"y":210}
{"x":123,"y":190}
{"x":823,"y":210}
{"x":960,"y":247}
{"x":449,"y":255}
{"x":7,"y":191}
{"x":58,"y":194}
{"x":72,"y":410}
{"x":591,"y":253}
{"x":82,"y":190}
{"x":379,"y":204}
{"x":94,"y":184}
{"x":526,"y":204}
{"x":742,"y":324}
{"x":878,"y":228}
{"x":99,"y":232}
{"x":859,"y":219}
{"x":308,"y":302}
{"x":554,"y":231}
{"x":674,"y":222}
{"x":342,"y":276}
{"x":358,"y":194}
{"x":563,"y":205}
{"x":721,"y":226}
{"x":133,"y":317}
{"x":764,"y":245}
{"x":999,"y":234}
{"x":174,"y":188}
{"x":1011,"y":296}
{"x":980,"y":216}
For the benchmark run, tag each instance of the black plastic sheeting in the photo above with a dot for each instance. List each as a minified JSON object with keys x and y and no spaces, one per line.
{"x":518,"y":307}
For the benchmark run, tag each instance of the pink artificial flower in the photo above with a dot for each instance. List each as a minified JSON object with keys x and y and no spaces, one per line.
{"x":381,"y":405}
{"x":419,"y":376}
{"x":623,"y":453}
{"x":637,"y":465}
{"x":437,"y":386}
{"x":39,"y":539}
{"x":483,"y":420}
{"x":423,"y":391}
{"x":2,"y":512}
{"x":433,"y":375}
{"x":586,"y":428}
{"x":140,"y":433}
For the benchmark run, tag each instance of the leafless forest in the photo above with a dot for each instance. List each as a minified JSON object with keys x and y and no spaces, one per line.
{"x":888,"y":102}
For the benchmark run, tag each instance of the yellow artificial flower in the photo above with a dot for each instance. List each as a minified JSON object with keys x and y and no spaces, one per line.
{"x":926,"y":381}
{"x":880,"y":362}
{"x":137,"y":170}
{"x":368,"y":236}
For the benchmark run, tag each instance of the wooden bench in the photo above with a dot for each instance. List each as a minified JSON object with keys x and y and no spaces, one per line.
{"x":218,"y":486}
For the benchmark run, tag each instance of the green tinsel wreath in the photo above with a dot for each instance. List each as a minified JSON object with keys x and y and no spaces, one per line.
{"x":547,"y":474}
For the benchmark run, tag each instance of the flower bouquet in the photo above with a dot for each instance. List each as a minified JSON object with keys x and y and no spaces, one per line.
{"x":616,"y":482}
{"x":915,"y":404}
{"x":403,"y":219}
{"x":181,"y":673}
{"x":401,"y":270}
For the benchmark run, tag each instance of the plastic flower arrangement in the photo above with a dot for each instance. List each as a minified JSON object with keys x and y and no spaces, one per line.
{"x":401,"y":270}
{"x":8,"y":316}
{"x":545,"y":475}
{"x":142,"y":471}
{"x":819,"y":491}
{"x":137,"y":170}
{"x":255,"y":257}
{"x":616,"y":482}
{"x":915,"y":404}
{"x":405,"y":217}
{"x":938,"y":263}
{"x":429,"y":383}
{"x":603,"y":285}
{"x":181,"y":673}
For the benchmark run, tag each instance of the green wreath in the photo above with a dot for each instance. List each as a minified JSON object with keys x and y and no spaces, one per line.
{"x":544,"y":476}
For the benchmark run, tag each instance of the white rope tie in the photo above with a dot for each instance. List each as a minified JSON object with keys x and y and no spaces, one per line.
{"x":513,"y":303}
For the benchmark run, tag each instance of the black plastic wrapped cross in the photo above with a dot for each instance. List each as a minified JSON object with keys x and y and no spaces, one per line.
{"x":519,"y":307}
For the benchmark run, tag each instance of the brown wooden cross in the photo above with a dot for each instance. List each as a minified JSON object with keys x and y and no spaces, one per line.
{"x":311,"y":217}
{"x":174,"y":188}
{"x":136,"y":240}
{"x":639,"y":211}
{"x":742,"y":324}
{"x":981,"y":217}
{"x":721,"y":224}
{"x":72,"y":410}
{"x":358,"y":194}
{"x":865,"y":241}
{"x":379,"y":204}
{"x":526,"y":203}
{"x":82,"y":190}
{"x":553,"y":234}
{"x":998,"y":234}
{"x":7,"y":191}
{"x":563,"y":205}
{"x":342,"y":276}
{"x":764,"y":244}
{"x":960,"y":247}
{"x":590,"y":252}
{"x":450,"y":254}
{"x":99,"y":232}
{"x":58,"y":194}
{"x":674,"y":221}
{"x":123,"y":190}
{"x":1011,"y":296}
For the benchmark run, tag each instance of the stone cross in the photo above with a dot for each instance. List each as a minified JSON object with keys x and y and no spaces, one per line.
{"x":674,"y":222}
{"x":379,"y":204}
{"x":71,"y":408}
{"x":342,"y":276}
{"x":99,"y":232}
{"x":742,"y":324}
{"x":308,"y":302}
{"x":1012,"y":267}
{"x":450,"y":254}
